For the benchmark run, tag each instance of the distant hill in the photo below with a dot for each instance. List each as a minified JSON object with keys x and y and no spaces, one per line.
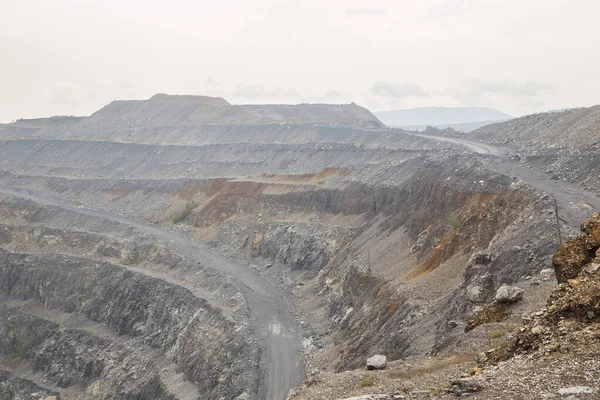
{"x":463,"y":119}
{"x":200,"y":119}
{"x":166,"y":110}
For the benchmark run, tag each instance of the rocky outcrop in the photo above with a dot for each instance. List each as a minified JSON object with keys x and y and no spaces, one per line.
{"x":574,"y":255}
{"x":576,"y":299}
{"x":300,"y":246}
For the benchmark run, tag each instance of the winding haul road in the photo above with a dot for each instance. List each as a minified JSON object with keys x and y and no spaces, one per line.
{"x":575,"y":204}
{"x":480,"y":148}
{"x":271,"y":317}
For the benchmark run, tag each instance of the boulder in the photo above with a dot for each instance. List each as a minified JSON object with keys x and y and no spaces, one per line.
{"x":509,"y":294}
{"x":576,"y":390}
{"x":377,"y":362}
{"x":465,"y":386}
{"x":479,"y":258}
{"x":547,"y":274}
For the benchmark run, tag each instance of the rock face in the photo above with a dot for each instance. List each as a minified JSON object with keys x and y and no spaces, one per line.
{"x":172,"y":324}
{"x":300,"y":246}
{"x":574,"y":255}
{"x":509,"y":294}
{"x":376,"y":362}
{"x":23,"y":388}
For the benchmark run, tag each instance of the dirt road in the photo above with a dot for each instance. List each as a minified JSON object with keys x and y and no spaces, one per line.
{"x":575,"y":205}
{"x":271,"y":317}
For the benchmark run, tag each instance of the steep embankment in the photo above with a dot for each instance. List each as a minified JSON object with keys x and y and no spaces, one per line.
{"x":82,"y":159}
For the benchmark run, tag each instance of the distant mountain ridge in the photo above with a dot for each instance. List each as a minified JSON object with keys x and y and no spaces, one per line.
{"x":460,"y":118}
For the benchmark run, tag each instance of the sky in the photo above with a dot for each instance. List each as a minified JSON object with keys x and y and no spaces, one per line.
{"x":71,"y":57}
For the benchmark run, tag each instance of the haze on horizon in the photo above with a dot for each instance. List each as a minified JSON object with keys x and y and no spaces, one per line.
{"x":66,"y":57}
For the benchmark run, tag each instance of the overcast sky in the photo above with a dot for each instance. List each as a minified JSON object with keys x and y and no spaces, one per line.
{"x":519,"y":56}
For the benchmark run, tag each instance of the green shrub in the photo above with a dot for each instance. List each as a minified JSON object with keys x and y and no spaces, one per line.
{"x":495,"y":334}
{"x":181,"y":215}
{"x":178,"y":217}
{"x":367,"y":382}
{"x":190,"y":205}
{"x":454,"y":221}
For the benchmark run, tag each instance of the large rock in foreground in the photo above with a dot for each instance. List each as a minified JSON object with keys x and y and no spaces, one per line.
{"x":509,"y":294}
{"x":376,"y":362}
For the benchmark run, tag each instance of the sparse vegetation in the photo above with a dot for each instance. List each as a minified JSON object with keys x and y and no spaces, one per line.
{"x":495,"y":334}
{"x":256,"y":243}
{"x":366,"y":382}
{"x":454,"y":221}
{"x":181,"y":215}
{"x":362,"y":145}
{"x":493,"y":313}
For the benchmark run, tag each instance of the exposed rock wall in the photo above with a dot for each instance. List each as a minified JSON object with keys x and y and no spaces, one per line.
{"x":11,"y":387}
{"x":164,"y":316}
{"x":445,"y":220}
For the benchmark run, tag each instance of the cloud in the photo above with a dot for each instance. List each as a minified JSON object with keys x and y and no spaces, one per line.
{"x":63,"y":93}
{"x":398,"y":90}
{"x":528,"y":89}
{"x":210,"y":81}
{"x":334,"y":94}
{"x":473,"y":92}
{"x":365,"y":11}
{"x":449,"y":8}
{"x":260,"y":91}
